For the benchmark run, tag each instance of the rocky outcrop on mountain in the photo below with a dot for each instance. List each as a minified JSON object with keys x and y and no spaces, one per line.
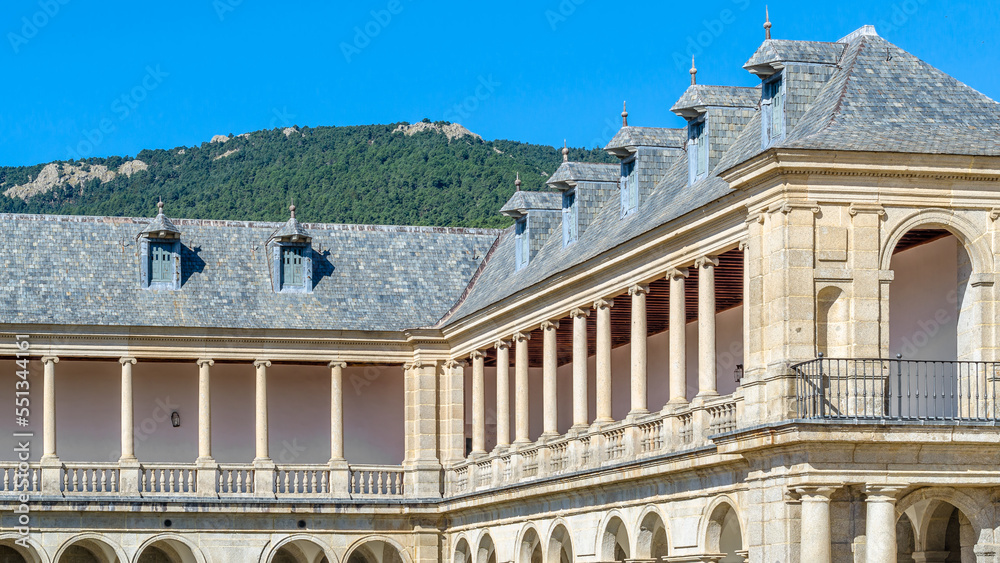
{"x":131,"y":167}
{"x":56,"y":175}
{"x":452,"y":130}
{"x":219,"y":139}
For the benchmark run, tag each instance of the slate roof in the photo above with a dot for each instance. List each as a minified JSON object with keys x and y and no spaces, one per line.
{"x":160,"y":224}
{"x":85,"y":271}
{"x":585,"y":172}
{"x":522,"y":201}
{"x":702,"y":95}
{"x":292,"y":229}
{"x":783,"y":50}
{"x":648,"y":137}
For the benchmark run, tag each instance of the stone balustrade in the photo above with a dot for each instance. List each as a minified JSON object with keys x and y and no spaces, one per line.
{"x":676,"y":429}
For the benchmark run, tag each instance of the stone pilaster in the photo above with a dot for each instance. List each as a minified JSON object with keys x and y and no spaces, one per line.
{"x":678,"y":339}
{"x":451,"y":412}
{"x":638,"y":405}
{"x":603,"y":307}
{"x":422,"y":466}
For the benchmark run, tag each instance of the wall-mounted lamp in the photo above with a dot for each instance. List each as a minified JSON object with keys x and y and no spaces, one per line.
{"x":175,"y":419}
{"x":738,"y":372}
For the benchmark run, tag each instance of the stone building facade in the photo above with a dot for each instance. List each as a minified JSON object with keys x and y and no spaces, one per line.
{"x":770,"y":336}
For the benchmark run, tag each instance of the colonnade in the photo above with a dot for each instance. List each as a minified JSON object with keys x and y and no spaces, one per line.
{"x":638,"y":363}
{"x":880,"y":523}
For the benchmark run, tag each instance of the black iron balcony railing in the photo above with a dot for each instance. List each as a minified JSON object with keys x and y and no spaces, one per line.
{"x":910,"y":390}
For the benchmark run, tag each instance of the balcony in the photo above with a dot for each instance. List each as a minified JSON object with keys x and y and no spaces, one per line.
{"x":956,"y":392}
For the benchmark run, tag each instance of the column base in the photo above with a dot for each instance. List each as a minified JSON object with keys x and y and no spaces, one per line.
{"x":476,"y":455}
{"x":263,"y":477}
{"x":129,"y":475}
{"x":548,"y":437}
{"x":520,"y":444}
{"x":423,"y":480}
{"x":636,"y":413}
{"x":501,"y":449}
{"x":207,"y":476}
{"x":705,"y":395}
{"x":51,"y":475}
{"x":578,"y":429}
{"x":601,"y":423}
{"x":340,"y":478}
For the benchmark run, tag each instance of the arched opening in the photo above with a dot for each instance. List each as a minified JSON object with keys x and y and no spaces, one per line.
{"x":11,"y":552}
{"x":530,"y":550}
{"x":487,"y":552}
{"x":905,"y":540}
{"x":560,"y":546}
{"x":947,"y":534}
{"x":375,"y":551}
{"x":11,"y":555}
{"x":614,"y":541}
{"x":724,"y":534}
{"x":651,"y":542}
{"x":931,"y":325}
{"x":462,"y":554}
{"x":88,"y":550}
{"x":166,"y":550}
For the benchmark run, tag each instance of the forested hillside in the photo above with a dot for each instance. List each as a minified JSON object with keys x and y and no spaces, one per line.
{"x":364,"y":174}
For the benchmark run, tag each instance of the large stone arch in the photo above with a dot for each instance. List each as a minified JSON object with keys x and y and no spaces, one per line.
{"x":102,"y":548}
{"x":528,"y":547}
{"x":304,"y":548}
{"x":919,"y":504}
{"x":652,"y":536}
{"x":716,"y":524}
{"x":177,"y":548}
{"x":463,"y":550}
{"x":486,"y":549}
{"x":367,"y":549}
{"x":34,"y":553}
{"x":613,"y":538}
{"x":967,"y":233}
{"x":559,"y":548}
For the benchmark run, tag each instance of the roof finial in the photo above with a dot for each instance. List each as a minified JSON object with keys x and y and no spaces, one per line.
{"x":291,"y":209}
{"x":565,"y":152}
{"x":624,"y":115}
{"x":159,"y":206}
{"x":693,"y":71}
{"x":767,"y":23}
{"x":517,"y":182}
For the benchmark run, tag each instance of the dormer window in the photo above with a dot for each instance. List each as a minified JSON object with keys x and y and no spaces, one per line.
{"x":291,"y":258}
{"x":697,"y":149}
{"x":160,"y":254}
{"x":629,"y":187}
{"x":772,"y":110}
{"x":571,"y":217}
{"x":521,"y":249}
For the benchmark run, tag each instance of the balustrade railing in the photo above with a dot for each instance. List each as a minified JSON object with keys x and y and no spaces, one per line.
{"x":235,"y":480}
{"x":301,"y":480}
{"x":79,"y":478}
{"x":897,"y":389}
{"x":168,"y":478}
{"x":375,"y":480}
{"x":15,"y":478}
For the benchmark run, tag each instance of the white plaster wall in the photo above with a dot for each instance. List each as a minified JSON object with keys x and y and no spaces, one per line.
{"x":88,"y":412}
{"x":923,"y":302}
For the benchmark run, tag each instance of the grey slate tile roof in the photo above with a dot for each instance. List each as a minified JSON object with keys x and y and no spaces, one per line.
{"x":85,"y":271}
{"x":585,"y":172}
{"x":160,"y":224}
{"x":522,"y":201}
{"x":647,"y":137}
{"x":783,"y":50}
{"x":702,"y":95}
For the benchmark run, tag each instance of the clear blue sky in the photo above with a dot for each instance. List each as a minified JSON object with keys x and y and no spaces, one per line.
{"x":111,"y":78}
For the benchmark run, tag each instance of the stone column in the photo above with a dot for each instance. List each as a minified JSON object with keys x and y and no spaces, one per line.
{"x":521,"y":388}
{"x":550,"y":410}
{"x":581,"y":417}
{"x":339,"y":470}
{"x":638,"y":349}
{"x":678,"y":341}
{"x":503,"y":393}
{"x":49,"y":409}
{"x":603,"y":351}
{"x":261,"y":434}
{"x":815,"y":544}
{"x":880,"y":524}
{"x":707,"y":385}
{"x":50,"y":464}
{"x":478,"y":405}
{"x":128,"y":429}
{"x":422,"y":465}
{"x":204,"y":411}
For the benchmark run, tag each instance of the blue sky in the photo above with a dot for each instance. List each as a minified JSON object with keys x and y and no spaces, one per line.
{"x":112,"y":79}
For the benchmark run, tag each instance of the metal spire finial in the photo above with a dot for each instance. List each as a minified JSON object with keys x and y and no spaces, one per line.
{"x":693,"y":71}
{"x":517,"y":182}
{"x":767,"y":23}
{"x":624,"y":115}
{"x":565,"y":152}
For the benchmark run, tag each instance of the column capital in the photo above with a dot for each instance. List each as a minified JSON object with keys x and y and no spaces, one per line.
{"x":262,"y":363}
{"x":521,"y":336}
{"x":417,"y":364}
{"x":336,"y":364}
{"x":53,"y":359}
{"x":677,"y":273}
{"x":818,"y":492}
{"x":744,"y":244}
{"x":549,"y":325}
{"x":454,"y":363}
{"x":882,"y":493}
{"x":476,"y":355}
{"x":579,"y":312}
{"x":638,"y":289}
{"x":502,"y":344}
{"x":127,"y":360}
{"x":706,"y":261}
{"x":604,"y":303}
{"x":205,"y":362}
